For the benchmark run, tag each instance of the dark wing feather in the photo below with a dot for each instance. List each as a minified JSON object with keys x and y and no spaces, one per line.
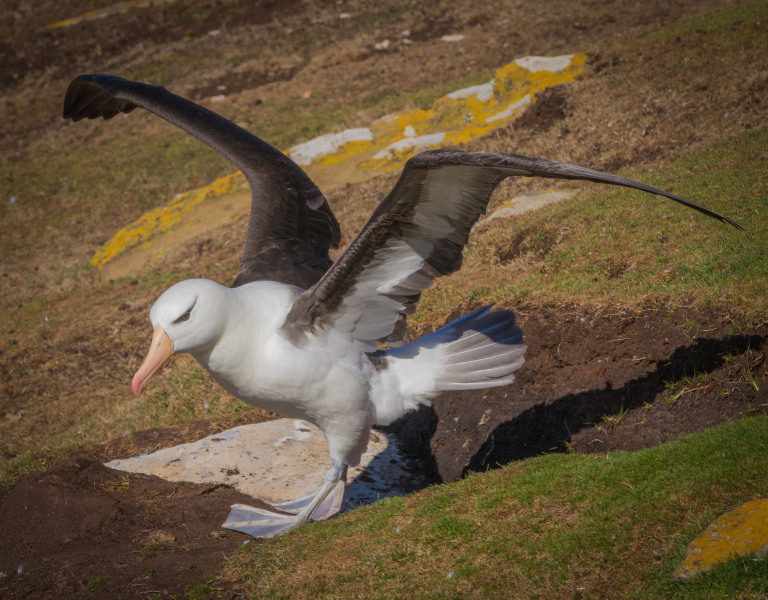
{"x":418,"y":233}
{"x":291,"y":226}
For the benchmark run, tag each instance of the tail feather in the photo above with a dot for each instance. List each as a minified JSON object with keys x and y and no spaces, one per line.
{"x":498,"y":351}
{"x":483,"y":361}
{"x":471,"y":339}
{"x":480,"y":350}
{"x":482,"y":376}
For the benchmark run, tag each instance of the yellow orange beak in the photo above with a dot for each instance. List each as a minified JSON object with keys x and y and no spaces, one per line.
{"x":160,"y":351}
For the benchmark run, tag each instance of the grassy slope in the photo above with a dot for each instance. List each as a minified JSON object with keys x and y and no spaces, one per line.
{"x":614,"y":525}
{"x":621,"y":247}
{"x":550,"y":527}
{"x":561,"y":526}
{"x":667,"y":250}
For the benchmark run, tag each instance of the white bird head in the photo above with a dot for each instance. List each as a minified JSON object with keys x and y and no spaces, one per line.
{"x":190,"y":317}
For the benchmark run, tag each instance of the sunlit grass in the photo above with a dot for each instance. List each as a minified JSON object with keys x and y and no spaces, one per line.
{"x":620,"y":247}
{"x":547,"y":527}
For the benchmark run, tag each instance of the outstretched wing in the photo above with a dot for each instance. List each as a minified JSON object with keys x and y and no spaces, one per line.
{"x":291,"y":226}
{"x":418,"y":233}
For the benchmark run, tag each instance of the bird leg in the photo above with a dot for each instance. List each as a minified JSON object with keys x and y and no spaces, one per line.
{"x":325,"y":503}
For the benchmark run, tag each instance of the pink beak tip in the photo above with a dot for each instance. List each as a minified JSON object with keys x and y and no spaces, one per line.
{"x":136,"y":385}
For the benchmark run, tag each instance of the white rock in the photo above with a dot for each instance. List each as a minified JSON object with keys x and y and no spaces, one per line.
{"x":275,"y":461}
{"x":483,"y":92}
{"x":457,"y":37}
{"x":322,"y":145}
{"x":526,"y":202}
{"x":418,"y":142}
{"x":511,"y":109}
{"x":545,"y":63}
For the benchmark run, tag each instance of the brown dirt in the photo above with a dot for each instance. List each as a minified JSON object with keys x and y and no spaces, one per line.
{"x":595,"y":379}
{"x":80,"y":529}
{"x":592,"y":382}
{"x":598,"y":382}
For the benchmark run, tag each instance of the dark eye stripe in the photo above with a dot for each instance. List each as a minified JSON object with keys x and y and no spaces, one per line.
{"x":187,"y":314}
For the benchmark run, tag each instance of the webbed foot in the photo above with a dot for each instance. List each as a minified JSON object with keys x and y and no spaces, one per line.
{"x":259,"y":522}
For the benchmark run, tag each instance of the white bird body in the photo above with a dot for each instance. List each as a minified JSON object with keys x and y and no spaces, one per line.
{"x":245,"y":351}
{"x":328,"y":380}
{"x":297,"y":334}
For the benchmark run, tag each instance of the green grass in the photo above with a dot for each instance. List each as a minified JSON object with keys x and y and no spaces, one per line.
{"x":728,"y":20}
{"x":614,"y":525}
{"x":94,"y":584}
{"x":545,"y":527}
{"x":199,"y":591}
{"x":184,"y":393}
{"x":664,"y":250}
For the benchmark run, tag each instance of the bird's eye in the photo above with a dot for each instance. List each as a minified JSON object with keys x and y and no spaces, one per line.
{"x":184,"y":317}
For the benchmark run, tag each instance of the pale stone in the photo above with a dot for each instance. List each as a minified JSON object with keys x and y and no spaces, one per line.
{"x":511,"y":109}
{"x":545,"y":63}
{"x":329,"y":143}
{"x":526,"y":202}
{"x":739,"y":532}
{"x":456,"y":37}
{"x":421,"y":141}
{"x":482,"y":92}
{"x":275,"y":461}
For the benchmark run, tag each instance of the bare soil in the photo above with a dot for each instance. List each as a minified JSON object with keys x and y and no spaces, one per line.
{"x":596,"y":379}
{"x":592,"y":382}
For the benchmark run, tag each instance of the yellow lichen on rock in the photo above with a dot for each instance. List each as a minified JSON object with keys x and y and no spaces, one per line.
{"x":458,"y":117}
{"x":739,"y":532}
{"x":106,"y":11}
{"x":160,"y":220}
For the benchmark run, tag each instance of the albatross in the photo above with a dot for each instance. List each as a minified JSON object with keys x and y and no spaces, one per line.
{"x":302,"y":336}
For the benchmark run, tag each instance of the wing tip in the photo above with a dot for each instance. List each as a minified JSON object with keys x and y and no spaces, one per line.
{"x":93,"y":96}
